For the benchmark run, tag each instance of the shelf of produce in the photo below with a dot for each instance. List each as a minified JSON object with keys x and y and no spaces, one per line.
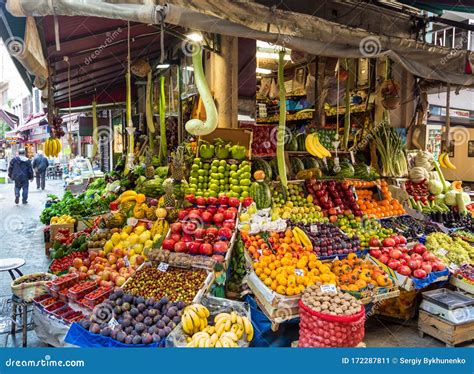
{"x":276,"y":307}
{"x":462,"y":285}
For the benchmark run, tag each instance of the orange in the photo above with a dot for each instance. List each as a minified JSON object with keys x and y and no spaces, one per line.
{"x":267,"y":271}
{"x":267,"y":281}
{"x":258,"y":271}
{"x":290,"y":291}
{"x":281,"y":290}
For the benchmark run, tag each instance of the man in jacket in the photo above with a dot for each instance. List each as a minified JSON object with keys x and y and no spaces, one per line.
{"x":40,"y":164}
{"x":21,"y":172}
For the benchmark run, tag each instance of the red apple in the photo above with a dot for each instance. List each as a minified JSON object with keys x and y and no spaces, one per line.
{"x":402,"y":239}
{"x":211,"y":200}
{"x":191,"y":198}
{"x":427,"y":268}
{"x":201,"y":201}
{"x":229,"y":215}
{"x":176,"y":227}
{"x":175,"y":237}
{"x":374,"y":242}
{"x":419,"y":248}
{"x":419,"y":273}
{"x":220,"y":247}
{"x":229,"y":224}
{"x":168,"y":244}
{"x":218,"y":218}
{"x":396,"y":254}
{"x":225,"y":233}
{"x":187,"y":238}
{"x":416,"y":256}
{"x":207,"y":216}
{"x":182,"y":214}
{"x":212,"y":231}
{"x":375,"y":252}
{"x":393,"y":264}
{"x":193,"y":248}
{"x":199,"y":233}
{"x":205,"y":249}
{"x":383,"y":259}
{"x":233,"y":201}
{"x":438,"y":266}
{"x":247,"y":201}
{"x":180,"y":247}
{"x":223,"y":200}
{"x":404,"y":270}
{"x":428,"y":256}
{"x":388,"y":242}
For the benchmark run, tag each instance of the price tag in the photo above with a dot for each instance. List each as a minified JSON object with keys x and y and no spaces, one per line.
{"x":163,"y":266}
{"x":453,"y":266}
{"x":299,"y":272}
{"x":127,"y":263}
{"x":132,"y":221}
{"x":352,"y":157}
{"x":328,"y":288}
{"x":112,"y":323}
{"x":442,"y":251}
{"x":259,"y":251}
{"x":313,"y":229}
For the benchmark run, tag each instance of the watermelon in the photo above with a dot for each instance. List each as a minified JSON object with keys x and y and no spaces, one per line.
{"x":310,"y":162}
{"x":296,"y":165}
{"x":347,"y":170}
{"x":300,"y":139}
{"x":273,"y":164}
{"x":260,"y":164}
{"x":261,"y":194}
{"x":292,"y":144}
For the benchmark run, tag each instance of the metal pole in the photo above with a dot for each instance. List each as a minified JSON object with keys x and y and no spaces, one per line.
{"x":448,"y":119}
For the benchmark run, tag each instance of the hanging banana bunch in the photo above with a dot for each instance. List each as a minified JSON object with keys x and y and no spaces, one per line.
{"x":52,"y":147}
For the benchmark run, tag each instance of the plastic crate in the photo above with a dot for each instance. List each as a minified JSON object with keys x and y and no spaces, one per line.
{"x":64,"y":281}
{"x":76,"y":292}
{"x":57,"y":305}
{"x":100,"y":295}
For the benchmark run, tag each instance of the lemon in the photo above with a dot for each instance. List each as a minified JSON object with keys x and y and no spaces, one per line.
{"x":115,"y":238}
{"x":139,"y":229}
{"x":134,"y":238}
{"x":144,"y":236}
{"x":123,"y":235}
{"x":148,"y":244}
{"x":108,"y":246}
{"x":127,"y":229}
{"x":138,"y":248}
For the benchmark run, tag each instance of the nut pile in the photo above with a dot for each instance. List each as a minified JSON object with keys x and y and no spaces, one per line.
{"x":334,"y":303}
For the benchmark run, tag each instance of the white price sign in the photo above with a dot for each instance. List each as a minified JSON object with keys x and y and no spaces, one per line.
{"x":453,"y":266}
{"x":328,"y":288}
{"x":112,"y":323}
{"x":313,"y":229}
{"x":163,"y":266}
{"x":299,"y":272}
{"x":442,"y":251}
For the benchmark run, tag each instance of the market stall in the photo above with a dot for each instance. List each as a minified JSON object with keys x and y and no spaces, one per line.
{"x":208,"y":236}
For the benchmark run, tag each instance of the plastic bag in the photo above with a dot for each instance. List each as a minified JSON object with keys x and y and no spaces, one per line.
{"x":216,"y":305}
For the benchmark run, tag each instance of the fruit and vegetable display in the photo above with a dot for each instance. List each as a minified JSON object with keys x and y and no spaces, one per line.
{"x":61,"y":220}
{"x":328,"y":240}
{"x":297,"y":206}
{"x":416,"y":262}
{"x":465,"y":273}
{"x":365,"y":228}
{"x":375,"y":199}
{"x":225,"y":330}
{"x":356,"y":274}
{"x":450,"y":250}
{"x":138,"y":320}
{"x":211,"y":178}
{"x":334,"y":197}
{"x":408,"y":226}
{"x":68,"y":243}
{"x":63,"y":263}
{"x":174,"y":283}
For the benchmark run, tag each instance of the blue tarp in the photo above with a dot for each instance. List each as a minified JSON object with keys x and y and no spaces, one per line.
{"x":263,"y":334}
{"x":431,"y":279}
{"x":77,"y":335}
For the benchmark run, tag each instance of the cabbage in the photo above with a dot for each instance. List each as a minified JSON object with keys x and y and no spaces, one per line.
{"x":450,"y":198}
{"x":435,"y":187}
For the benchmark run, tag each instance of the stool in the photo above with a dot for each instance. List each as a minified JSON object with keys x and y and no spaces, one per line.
{"x":12,"y":265}
{"x":23,"y":306}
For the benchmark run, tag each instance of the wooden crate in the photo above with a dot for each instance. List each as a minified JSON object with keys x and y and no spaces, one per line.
{"x":446,"y":331}
{"x":54,"y":229}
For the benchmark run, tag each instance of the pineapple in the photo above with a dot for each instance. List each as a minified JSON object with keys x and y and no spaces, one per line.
{"x":168,"y":198}
{"x":178,"y":166}
{"x":150,"y":170}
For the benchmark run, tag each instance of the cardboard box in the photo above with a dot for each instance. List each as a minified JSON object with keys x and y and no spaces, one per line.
{"x":54,"y":229}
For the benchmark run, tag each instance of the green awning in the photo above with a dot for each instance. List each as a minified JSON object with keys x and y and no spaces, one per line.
{"x":14,"y":27}
{"x":438,"y":6}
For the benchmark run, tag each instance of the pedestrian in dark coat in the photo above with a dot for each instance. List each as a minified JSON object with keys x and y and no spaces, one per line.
{"x":21,"y":172}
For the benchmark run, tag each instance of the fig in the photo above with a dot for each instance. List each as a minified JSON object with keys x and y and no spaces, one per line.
{"x":137,"y":339}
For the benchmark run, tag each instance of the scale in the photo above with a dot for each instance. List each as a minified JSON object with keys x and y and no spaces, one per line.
{"x":449,"y":305}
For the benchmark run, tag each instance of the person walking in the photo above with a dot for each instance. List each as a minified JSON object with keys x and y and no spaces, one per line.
{"x":40,"y":164}
{"x":21,"y":172}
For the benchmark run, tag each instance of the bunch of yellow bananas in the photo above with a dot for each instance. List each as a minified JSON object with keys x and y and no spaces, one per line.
{"x":227,"y":330}
{"x":52,"y":147}
{"x":301,"y":237}
{"x":445,"y":162}
{"x":131,"y":195}
{"x":194,"y":318}
{"x":314,"y":147}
